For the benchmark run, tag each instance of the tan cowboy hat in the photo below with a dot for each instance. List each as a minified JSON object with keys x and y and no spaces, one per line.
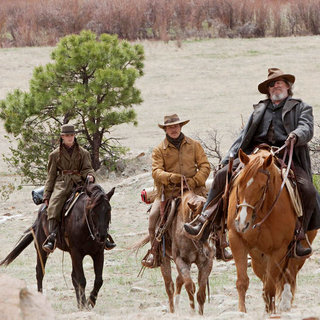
{"x":67,"y":129}
{"x":172,"y":120}
{"x":273,"y":75}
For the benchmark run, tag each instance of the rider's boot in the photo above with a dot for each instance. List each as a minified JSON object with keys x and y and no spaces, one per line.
{"x":301,"y":251}
{"x":149,"y":261}
{"x":49,"y":243}
{"x":221,"y":252}
{"x":196,"y":227}
{"x":109,"y":244}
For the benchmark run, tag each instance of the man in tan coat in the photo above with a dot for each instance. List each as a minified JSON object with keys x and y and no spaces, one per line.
{"x":175,"y":158}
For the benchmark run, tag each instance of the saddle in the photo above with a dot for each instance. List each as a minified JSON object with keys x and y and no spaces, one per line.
{"x":157,"y":250}
{"x":70,"y":202}
{"x":291,"y":184}
{"x":76,"y":193}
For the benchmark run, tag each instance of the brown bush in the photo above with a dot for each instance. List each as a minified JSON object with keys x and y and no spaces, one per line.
{"x":44,"y":22}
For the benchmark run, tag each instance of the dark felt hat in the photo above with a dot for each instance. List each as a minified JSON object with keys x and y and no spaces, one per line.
{"x":172,"y":120}
{"x":67,"y":129}
{"x":273,"y":75}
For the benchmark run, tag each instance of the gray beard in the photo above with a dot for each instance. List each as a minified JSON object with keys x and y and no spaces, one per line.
{"x":278,"y":97}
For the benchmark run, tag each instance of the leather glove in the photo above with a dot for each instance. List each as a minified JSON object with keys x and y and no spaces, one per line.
{"x":175,"y":178}
{"x":90,"y":178}
{"x":291,"y":137}
{"x":191,"y":183}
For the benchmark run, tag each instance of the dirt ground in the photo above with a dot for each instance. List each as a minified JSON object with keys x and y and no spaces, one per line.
{"x":214,"y":84}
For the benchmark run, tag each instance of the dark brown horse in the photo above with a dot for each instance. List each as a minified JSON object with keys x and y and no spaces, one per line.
{"x":252,"y":197}
{"x":83,"y":232}
{"x":184,"y":252}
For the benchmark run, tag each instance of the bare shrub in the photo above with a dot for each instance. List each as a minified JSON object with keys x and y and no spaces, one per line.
{"x":211,"y":145}
{"x":44,"y":22}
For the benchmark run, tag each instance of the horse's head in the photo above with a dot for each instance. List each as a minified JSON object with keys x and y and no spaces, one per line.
{"x":251,"y":187}
{"x":98,"y":211}
{"x":194,"y":206}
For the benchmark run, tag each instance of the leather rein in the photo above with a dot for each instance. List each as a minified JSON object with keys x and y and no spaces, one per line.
{"x":90,"y":224}
{"x":259,"y":204}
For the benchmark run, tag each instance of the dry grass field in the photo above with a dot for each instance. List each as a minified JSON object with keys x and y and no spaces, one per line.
{"x":213,"y":83}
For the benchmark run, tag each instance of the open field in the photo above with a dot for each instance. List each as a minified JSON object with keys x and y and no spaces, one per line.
{"x":213,"y":83}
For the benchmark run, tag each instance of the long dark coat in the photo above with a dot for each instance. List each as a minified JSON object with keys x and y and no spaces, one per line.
{"x":297,"y":117}
{"x":59,"y":186}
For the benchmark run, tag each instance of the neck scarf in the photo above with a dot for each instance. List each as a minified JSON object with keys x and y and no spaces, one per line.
{"x":176,"y":142}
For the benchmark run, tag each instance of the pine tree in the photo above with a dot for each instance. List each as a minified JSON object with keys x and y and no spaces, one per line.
{"x":90,"y":83}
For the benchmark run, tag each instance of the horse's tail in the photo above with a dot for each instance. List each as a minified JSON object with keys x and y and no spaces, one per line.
{"x":24,"y":241}
{"x":140,"y":243}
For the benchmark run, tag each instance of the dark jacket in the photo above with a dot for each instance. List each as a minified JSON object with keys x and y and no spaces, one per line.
{"x":297,"y":117}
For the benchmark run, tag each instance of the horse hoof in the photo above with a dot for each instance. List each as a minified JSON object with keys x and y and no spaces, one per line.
{"x":90,"y":304}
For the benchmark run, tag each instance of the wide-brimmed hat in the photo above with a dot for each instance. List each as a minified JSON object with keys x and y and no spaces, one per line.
{"x":67,"y":129}
{"x":273,"y":75}
{"x":172,"y":120}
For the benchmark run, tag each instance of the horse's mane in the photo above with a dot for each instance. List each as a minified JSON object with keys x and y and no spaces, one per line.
{"x":193,"y":199}
{"x":252,"y":167}
{"x":96,"y":194}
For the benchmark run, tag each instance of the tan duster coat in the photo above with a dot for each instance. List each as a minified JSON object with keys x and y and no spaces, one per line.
{"x":58,"y":186}
{"x":190,"y":161}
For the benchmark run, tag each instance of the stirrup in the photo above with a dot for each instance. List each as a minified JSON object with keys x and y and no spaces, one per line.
{"x":222,"y":250}
{"x":200,"y":233}
{"x":147,"y":264}
{"x":223,"y":256}
{"x":46,"y":242}
{"x":294,"y":249}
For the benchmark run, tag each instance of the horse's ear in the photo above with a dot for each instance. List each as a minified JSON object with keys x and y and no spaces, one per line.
{"x":110,"y":193}
{"x":243,"y":157}
{"x":192,"y":206}
{"x":267,"y":162}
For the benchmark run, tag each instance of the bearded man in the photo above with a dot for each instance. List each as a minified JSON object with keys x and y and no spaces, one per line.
{"x":277,"y":120}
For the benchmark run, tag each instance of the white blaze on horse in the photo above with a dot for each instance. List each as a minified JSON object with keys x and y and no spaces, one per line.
{"x":252,"y":198}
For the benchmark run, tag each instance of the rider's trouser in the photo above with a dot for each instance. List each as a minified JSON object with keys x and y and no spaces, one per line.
{"x":153,"y":218}
{"x":57,"y":200}
{"x":308,"y":195}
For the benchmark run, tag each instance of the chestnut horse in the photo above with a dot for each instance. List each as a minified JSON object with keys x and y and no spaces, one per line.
{"x":251,"y":197}
{"x":184,"y":252}
{"x":82,"y":233}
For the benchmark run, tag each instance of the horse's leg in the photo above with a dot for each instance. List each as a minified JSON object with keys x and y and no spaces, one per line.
{"x":166,"y":274}
{"x":78,"y":278}
{"x":240,"y":255}
{"x":179,"y":284}
{"x":288,"y":283}
{"x":98,"y":268}
{"x":273,"y":276}
{"x":42,"y":256}
{"x":184,"y":271}
{"x":203,"y":276}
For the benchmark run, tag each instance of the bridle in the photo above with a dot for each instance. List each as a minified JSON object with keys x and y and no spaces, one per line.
{"x":260,"y":202}
{"x":93,"y":230}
